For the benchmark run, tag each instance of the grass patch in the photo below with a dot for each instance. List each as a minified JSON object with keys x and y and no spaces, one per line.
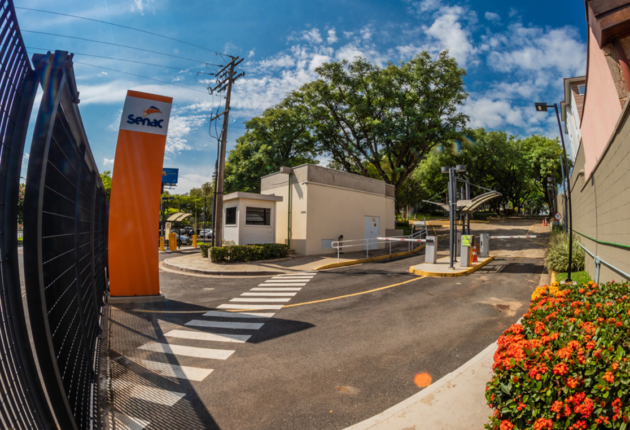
{"x":580,"y":277}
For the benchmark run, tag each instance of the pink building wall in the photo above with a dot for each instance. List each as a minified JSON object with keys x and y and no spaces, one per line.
{"x":601,"y":106}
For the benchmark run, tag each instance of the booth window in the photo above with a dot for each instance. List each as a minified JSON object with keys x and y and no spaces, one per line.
{"x":258,"y":216}
{"x":230,"y":216}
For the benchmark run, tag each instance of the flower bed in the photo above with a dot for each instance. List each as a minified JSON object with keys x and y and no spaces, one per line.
{"x":566,"y":366}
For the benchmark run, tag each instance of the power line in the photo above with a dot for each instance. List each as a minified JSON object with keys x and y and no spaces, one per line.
{"x":139,"y":76}
{"x":110,"y":43}
{"x":117,"y":59}
{"x":122,"y":26}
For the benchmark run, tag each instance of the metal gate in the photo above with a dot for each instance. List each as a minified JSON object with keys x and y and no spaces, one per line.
{"x":65,"y":247}
{"x":22,"y":400}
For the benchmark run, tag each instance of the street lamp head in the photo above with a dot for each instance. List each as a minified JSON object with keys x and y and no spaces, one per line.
{"x":541,"y":107}
{"x":460,"y":168}
{"x":445,"y":169}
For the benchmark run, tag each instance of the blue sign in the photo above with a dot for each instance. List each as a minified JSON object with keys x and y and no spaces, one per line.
{"x":169,"y":176}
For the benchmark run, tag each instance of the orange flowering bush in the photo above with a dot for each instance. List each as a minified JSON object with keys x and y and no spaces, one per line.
{"x":565,"y":366}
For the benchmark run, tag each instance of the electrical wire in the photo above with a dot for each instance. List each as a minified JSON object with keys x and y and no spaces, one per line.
{"x":121,"y":26}
{"x":139,"y":76}
{"x":112,"y":44}
{"x":117,"y":59}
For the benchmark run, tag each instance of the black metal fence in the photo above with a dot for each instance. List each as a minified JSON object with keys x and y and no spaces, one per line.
{"x":22,"y":400}
{"x":65,"y":247}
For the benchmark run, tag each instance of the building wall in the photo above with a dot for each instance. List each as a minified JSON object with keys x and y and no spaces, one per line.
{"x":334,"y":211}
{"x":601,"y":105}
{"x":243,"y":234}
{"x":326,"y":203}
{"x":601,"y":202}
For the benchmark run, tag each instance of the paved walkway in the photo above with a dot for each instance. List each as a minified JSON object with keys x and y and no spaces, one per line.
{"x":199,"y":265}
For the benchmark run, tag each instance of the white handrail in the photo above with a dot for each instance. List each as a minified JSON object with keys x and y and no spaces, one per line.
{"x":338,"y":245}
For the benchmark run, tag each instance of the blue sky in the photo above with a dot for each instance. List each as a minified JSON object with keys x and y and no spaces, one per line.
{"x":515,"y":53}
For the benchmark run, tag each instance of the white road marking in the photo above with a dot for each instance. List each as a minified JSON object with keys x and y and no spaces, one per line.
{"x":124,"y":422}
{"x":150,"y":394}
{"x":299,"y":274}
{"x":224,"y":314}
{"x":175,"y":371}
{"x":252,"y":306}
{"x":238,"y":299}
{"x":189,"y":351}
{"x":275,"y":289}
{"x":280,"y":285}
{"x":269,"y":294}
{"x":211,"y":337}
{"x":308,"y":278}
{"x":287,"y":280}
{"x":225,"y":324}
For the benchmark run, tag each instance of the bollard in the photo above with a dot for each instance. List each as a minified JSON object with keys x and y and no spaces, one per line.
{"x":467,"y":241}
{"x":162,"y":243}
{"x":485,"y":245}
{"x":459,"y":244}
{"x":430,"y":251}
{"x":194,"y":240}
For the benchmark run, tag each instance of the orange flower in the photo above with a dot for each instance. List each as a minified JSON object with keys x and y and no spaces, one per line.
{"x":506,"y":425}
{"x":615,"y":366}
{"x":609,"y":377}
{"x":560,"y":369}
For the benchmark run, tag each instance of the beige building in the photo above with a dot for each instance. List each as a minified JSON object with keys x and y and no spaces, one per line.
{"x":321,"y":204}
{"x":249,"y":218}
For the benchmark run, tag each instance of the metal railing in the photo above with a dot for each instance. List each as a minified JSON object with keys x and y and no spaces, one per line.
{"x":598,"y":262}
{"x":371,"y":242}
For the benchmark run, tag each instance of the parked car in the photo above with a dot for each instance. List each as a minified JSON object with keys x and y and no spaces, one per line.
{"x":206,"y":234}
{"x":181,"y":240}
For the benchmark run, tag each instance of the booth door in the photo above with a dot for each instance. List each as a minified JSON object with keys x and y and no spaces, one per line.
{"x":372,"y":228}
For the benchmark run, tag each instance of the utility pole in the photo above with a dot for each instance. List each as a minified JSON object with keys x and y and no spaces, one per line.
{"x":225,"y":79}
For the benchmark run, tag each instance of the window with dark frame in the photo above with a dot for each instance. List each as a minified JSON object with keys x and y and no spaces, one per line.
{"x":258,"y":216}
{"x":581,"y":89}
{"x":230,"y":216}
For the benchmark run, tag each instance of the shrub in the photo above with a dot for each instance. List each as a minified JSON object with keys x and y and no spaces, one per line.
{"x":238,"y":253}
{"x":557,"y":258}
{"x":204,"y":249}
{"x":566,"y":366}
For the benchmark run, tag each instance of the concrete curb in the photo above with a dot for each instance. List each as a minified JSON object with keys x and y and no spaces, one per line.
{"x":403,"y":408}
{"x":451,"y":275}
{"x":368,"y":260}
{"x":553,"y":277}
{"x":223,"y":273}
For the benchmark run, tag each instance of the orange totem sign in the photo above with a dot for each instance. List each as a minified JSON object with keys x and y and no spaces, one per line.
{"x":134,"y":208}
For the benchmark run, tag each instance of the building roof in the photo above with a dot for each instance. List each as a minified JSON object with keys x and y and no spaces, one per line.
{"x":312,"y":174}
{"x":251,"y":196}
{"x":178,"y":217}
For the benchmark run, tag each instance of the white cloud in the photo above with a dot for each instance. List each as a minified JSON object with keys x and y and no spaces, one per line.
{"x":192,"y":180}
{"x":485,"y":112}
{"x":447,"y":32}
{"x":140,"y":5}
{"x":422,"y":6}
{"x":251,"y":53}
{"x":366,"y":33}
{"x":178,"y":128}
{"x":102,"y":74}
{"x":108,"y":162}
{"x":491,"y":16}
{"x":513,"y":12}
{"x":312,"y":36}
{"x":332,"y":36}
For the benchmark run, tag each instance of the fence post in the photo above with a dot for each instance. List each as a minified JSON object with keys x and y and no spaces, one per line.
{"x":597,"y":266}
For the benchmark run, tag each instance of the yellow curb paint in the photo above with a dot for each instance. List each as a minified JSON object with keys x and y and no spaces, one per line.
{"x":368,"y":260}
{"x":466,"y":272}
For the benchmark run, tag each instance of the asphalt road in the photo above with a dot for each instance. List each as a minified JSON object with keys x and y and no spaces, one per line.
{"x":323,"y":365}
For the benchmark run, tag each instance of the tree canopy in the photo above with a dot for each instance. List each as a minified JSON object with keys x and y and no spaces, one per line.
{"x":386,"y":118}
{"x":279,"y":137}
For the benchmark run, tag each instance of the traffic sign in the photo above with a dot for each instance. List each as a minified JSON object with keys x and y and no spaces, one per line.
{"x":558,"y":216}
{"x":169,"y":176}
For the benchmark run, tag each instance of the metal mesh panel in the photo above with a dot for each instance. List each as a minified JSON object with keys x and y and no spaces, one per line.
{"x":21,"y":398}
{"x":67,"y":223}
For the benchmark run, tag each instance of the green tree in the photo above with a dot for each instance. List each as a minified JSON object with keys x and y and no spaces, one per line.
{"x":388,"y":118}
{"x":21,"y":194}
{"x":106,"y":177}
{"x":279,"y":137}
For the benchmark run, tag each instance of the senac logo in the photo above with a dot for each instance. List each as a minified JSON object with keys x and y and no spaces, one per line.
{"x":146,"y":121}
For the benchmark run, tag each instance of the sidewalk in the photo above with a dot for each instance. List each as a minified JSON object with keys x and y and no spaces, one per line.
{"x":204,"y":266}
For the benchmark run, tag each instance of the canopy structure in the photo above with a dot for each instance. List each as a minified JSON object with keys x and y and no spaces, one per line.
{"x":468,"y":206}
{"x":178,"y":217}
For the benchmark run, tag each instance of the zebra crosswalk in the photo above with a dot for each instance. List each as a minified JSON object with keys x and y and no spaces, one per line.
{"x":247,"y":312}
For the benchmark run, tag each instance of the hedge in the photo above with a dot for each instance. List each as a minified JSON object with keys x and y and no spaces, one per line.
{"x":239,"y":253}
{"x":565,"y":366}
{"x":204,"y":249}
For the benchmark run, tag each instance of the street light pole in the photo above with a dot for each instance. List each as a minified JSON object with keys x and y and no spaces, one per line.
{"x":542,"y":107}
